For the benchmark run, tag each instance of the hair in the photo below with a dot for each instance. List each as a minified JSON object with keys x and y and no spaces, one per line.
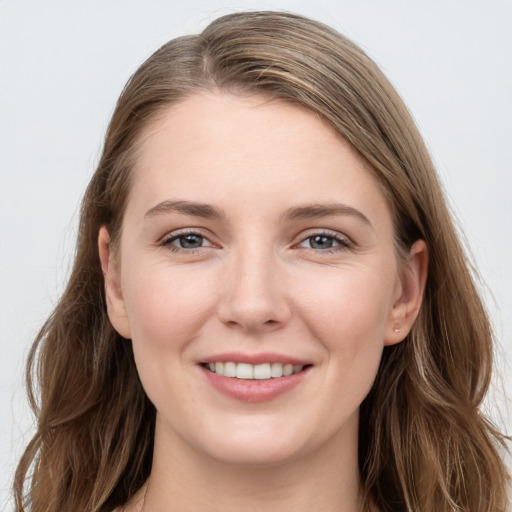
{"x":423,"y":442}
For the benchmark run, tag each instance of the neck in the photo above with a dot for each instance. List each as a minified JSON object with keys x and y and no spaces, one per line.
{"x":184,"y":480}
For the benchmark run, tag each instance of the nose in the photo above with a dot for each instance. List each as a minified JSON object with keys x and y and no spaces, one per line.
{"x":254,"y":297}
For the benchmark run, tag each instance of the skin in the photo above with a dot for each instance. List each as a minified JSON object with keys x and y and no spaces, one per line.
{"x":258,"y":283}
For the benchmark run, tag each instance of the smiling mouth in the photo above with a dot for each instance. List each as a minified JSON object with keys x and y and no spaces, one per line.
{"x":247,"y":371}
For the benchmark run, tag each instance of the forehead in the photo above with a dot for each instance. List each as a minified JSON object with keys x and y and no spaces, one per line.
{"x":217,"y":147}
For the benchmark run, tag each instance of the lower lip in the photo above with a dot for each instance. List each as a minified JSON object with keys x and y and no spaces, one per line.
{"x":254,"y":390}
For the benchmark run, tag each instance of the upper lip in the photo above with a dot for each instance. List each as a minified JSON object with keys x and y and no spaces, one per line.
{"x":254,"y":359}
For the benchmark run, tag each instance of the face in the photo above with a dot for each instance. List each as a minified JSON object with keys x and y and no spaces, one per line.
{"x":255,"y":243}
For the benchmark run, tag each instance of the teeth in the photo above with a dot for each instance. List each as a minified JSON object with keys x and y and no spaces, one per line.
{"x":263,"y":371}
{"x":229,"y":370}
{"x":243,"y":371}
{"x":276,"y":370}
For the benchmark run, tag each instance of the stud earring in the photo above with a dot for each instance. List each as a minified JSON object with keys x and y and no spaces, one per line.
{"x":397,"y":330}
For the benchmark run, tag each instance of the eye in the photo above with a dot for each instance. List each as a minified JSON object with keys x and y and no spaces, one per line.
{"x":325,"y":242}
{"x":186,"y":241}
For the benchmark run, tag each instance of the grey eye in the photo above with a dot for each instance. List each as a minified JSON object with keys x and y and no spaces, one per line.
{"x":321,"y":242}
{"x":188,"y":241}
{"x":324,"y":242}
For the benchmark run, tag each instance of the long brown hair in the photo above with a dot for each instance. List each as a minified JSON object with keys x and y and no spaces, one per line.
{"x":424,"y":444}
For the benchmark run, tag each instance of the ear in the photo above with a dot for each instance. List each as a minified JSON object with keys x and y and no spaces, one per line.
{"x":409,"y":296}
{"x":116,"y":307}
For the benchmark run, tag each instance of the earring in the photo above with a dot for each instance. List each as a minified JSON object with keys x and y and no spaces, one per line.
{"x":397,"y":330}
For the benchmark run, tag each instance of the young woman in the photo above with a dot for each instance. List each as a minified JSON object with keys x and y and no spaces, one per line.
{"x":269,"y":306}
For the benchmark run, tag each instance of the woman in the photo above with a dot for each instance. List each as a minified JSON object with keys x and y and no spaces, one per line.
{"x":269,"y":304}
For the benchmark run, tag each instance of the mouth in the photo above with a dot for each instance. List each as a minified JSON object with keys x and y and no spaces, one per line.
{"x":247,"y":371}
{"x":254,"y":378}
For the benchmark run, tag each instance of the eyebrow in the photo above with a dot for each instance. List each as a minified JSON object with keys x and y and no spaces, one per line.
{"x":203,"y":210}
{"x":207,"y":211}
{"x":313,"y":211}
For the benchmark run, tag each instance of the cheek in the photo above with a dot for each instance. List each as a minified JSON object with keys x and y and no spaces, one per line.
{"x":349,"y":318}
{"x":166,"y":309}
{"x":352,"y":307}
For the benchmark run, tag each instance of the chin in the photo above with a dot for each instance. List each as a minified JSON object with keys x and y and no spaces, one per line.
{"x":250,"y":441}
{"x":264,"y":454}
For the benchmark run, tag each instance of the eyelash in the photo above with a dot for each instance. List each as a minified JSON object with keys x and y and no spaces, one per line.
{"x":343,"y":242}
{"x":167,"y":241}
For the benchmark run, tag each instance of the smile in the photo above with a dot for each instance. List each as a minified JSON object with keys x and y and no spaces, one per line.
{"x":254,"y":378}
{"x":262,"y":371}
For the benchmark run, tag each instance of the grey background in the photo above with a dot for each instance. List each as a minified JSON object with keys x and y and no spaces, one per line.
{"x":63,"y":64}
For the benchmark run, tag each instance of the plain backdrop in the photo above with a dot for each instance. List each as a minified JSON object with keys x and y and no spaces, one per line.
{"x":63,"y":64}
